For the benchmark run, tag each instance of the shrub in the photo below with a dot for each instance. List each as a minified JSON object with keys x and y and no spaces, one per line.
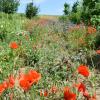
{"x":75,"y":7}
{"x":63,"y":18}
{"x":90,"y":8}
{"x":75,"y":17}
{"x":31,"y":10}
{"x":8,"y":25}
{"x":95,"y":21}
{"x":66,"y":9}
{"x":9,"y":6}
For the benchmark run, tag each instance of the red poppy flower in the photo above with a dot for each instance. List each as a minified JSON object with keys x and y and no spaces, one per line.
{"x":34,"y":76}
{"x":27,"y":80}
{"x":11,"y":96}
{"x":41,"y":93}
{"x":68,"y":95}
{"x":44,"y":93}
{"x":98,"y":51}
{"x":1,"y":88}
{"x":30,"y":79}
{"x":11,"y":81}
{"x":93,"y":97}
{"x":86,"y":95}
{"x":81,"y":87}
{"x":24,"y":84}
{"x":5,"y":84}
{"x":13,"y":45}
{"x":54,"y":89}
{"x":83,"y":70}
{"x":91,"y":30}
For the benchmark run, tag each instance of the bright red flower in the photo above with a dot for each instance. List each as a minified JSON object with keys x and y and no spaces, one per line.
{"x":81,"y":87}
{"x":27,"y":80}
{"x":93,"y":97}
{"x":41,"y":93}
{"x":86,"y":95}
{"x":11,"y":96}
{"x":54,"y":89}
{"x":5,"y":84}
{"x":24,"y":85}
{"x":13,"y":45}
{"x":30,"y":79}
{"x":34,"y":76}
{"x":1,"y":88}
{"x":23,"y":82}
{"x":68,"y":95}
{"x":98,"y":51}
{"x":91,"y":30}
{"x":83,"y":70}
{"x":11,"y":81}
{"x":44,"y":93}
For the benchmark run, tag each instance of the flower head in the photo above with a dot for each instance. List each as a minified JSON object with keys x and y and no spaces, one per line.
{"x":86,"y":95}
{"x":11,"y":81}
{"x":23,"y":82}
{"x":54,"y":89}
{"x":83,"y":70}
{"x":81,"y":87}
{"x":35,"y":77}
{"x":1,"y":88}
{"x":27,"y":80}
{"x":13,"y":45}
{"x":5,"y":84}
{"x":98,"y":51}
{"x":68,"y":95}
{"x":91,"y":30}
{"x":44,"y":93}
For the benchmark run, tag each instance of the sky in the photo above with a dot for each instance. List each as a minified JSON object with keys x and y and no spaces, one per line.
{"x":46,"y":7}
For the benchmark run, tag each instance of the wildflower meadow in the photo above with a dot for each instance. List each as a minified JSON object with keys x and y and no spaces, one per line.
{"x":49,"y":57}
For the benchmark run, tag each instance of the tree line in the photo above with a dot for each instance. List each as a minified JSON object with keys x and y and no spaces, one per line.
{"x":86,"y":8}
{"x":11,"y":6}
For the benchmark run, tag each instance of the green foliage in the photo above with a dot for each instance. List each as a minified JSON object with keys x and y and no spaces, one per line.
{"x":45,"y":49}
{"x":74,"y":38}
{"x":75,"y":17}
{"x":63,"y":19}
{"x":9,"y":25}
{"x":9,"y":6}
{"x":75,"y":7}
{"x":97,"y":40}
{"x":66,"y":9}
{"x":95,"y":20}
{"x":31,"y":10}
{"x":90,"y":8}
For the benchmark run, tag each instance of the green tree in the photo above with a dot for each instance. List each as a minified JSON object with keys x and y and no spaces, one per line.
{"x":66,"y":9}
{"x":31,"y":10}
{"x":9,"y":6}
{"x":90,"y":8}
{"x":75,"y":7}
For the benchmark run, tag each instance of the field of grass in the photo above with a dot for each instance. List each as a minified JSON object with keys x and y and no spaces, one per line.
{"x":46,"y":59}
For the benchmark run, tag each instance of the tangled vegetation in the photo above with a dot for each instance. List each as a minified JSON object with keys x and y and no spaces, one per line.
{"x":50,"y":57}
{"x":42,"y":59}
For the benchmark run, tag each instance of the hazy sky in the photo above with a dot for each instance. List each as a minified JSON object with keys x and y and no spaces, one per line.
{"x":48,"y":7}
